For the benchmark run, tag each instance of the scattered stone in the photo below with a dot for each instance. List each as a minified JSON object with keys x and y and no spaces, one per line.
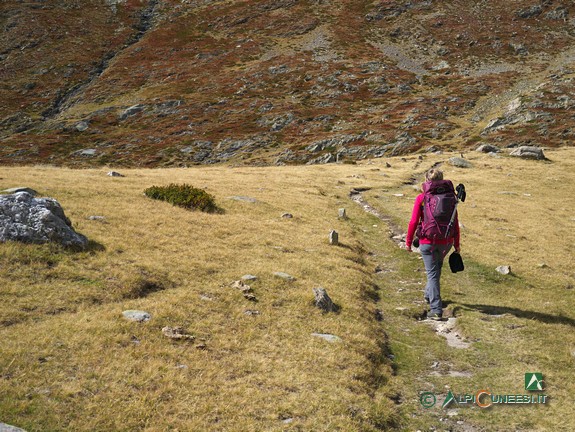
{"x":27,"y":219}
{"x":460,"y":162}
{"x":342,"y":214}
{"x":82,"y":126}
{"x":97,"y":218}
{"x":504,"y":270}
{"x":21,"y":189}
{"x":176,"y":333}
{"x":137,"y":315}
{"x":245,"y":289}
{"x":398,"y":195}
{"x":205,"y":297}
{"x":115,"y":174}
{"x":243,"y":198}
{"x":201,"y":346}
{"x":528,"y":152}
{"x":328,"y":337}
{"x":251,"y":312}
{"x":284,"y":276}
{"x":323,"y":301}
{"x":387,"y":165}
{"x":287,"y":216}
{"x":333,"y":238}
{"x":249,"y":277}
{"x":378,"y":315}
{"x":488,"y":148}
{"x":542,"y":265}
{"x":447,"y":329}
{"x":7,"y":428}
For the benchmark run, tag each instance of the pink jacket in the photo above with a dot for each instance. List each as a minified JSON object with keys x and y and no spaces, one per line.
{"x":417,"y":215}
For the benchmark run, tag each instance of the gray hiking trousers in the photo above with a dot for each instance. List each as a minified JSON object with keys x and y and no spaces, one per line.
{"x":433,"y":255}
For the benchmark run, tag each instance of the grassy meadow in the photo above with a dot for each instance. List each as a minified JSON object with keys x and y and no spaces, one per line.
{"x":69,"y":361}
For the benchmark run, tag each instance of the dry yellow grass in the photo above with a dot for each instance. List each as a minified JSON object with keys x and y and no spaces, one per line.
{"x":69,"y":361}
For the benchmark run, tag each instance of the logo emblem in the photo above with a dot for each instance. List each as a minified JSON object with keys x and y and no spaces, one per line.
{"x":534,"y":381}
{"x":427,"y":399}
{"x":448,"y":399}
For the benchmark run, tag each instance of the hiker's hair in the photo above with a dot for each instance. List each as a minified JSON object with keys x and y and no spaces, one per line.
{"x":433,"y":175}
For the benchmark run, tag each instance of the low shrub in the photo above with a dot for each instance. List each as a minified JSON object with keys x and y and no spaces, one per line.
{"x":183,"y":195}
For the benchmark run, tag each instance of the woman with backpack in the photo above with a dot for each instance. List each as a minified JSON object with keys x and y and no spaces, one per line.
{"x":430,"y":220}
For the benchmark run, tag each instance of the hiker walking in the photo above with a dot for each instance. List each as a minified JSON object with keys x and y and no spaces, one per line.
{"x":434,"y":221}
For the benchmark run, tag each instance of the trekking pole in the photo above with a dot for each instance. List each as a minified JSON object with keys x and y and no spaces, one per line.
{"x":461,"y":195}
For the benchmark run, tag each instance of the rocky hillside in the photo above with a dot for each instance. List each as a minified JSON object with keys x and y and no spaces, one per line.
{"x":166,"y":82}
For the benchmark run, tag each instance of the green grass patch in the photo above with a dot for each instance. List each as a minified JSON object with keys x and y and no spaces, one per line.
{"x":183,"y":195}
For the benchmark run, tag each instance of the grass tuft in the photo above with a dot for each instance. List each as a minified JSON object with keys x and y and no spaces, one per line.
{"x":183,"y":195}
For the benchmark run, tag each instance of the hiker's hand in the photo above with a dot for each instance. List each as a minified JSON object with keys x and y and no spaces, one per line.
{"x":408,"y":248}
{"x":458,"y":250}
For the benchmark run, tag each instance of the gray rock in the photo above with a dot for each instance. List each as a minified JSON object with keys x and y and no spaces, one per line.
{"x":249,"y":277}
{"x":328,"y":337}
{"x":7,"y":428}
{"x":322,"y":300}
{"x":342,"y":214}
{"x":284,"y":276}
{"x":97,"y":218}
{"x":133,"y":110}
{"x":504,"y":270}
{"x":26,"y":219}
{"x":488,"y":148}
{"x":115,"y":174}
{"x":460,"y":162}
{"x":137,"y":315}
{"x":530,"y":12}
{"x":86,"y":152}
{"x":21,"y":189}
{"x":333,"y":238}
{"x":528,"y":152}
{"x":287,"y":216}
{"x":243,"y":198}
{"x":560,"y":13}
{"x":82,"y":126}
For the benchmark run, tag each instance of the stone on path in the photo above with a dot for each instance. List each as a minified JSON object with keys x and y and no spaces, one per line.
{"x":322,"y":300}
{"x":26,"y":219}
{"x":342,"y":214}
{"x":333,"y":238}
{"x":249,"y":277}
{"x":137,"y":315}
{"x":287,"y":216}
{"x":504,"y":270}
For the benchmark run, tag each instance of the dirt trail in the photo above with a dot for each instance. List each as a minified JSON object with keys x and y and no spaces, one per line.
{"x":445,"y":328}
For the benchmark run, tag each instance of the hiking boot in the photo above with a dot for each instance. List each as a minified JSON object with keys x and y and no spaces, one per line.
{"x":434,"y":316}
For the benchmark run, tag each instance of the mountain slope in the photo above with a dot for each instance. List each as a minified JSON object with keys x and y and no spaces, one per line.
{"x":279,"y":81}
